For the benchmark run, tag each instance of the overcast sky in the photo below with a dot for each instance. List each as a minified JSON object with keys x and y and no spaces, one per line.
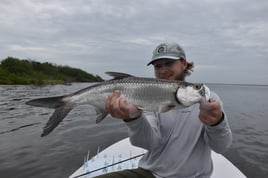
{"x":226,"y":39}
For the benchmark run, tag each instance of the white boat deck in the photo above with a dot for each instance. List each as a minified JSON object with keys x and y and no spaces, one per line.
{"x":114,"y":158}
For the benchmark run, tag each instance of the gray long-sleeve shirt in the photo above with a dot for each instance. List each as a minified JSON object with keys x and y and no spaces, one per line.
{"x":178,"y":144}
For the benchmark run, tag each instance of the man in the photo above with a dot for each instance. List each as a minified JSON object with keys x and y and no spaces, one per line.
{"x":179,"y":142}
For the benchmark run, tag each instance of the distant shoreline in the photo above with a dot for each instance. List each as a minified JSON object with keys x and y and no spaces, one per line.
{"x":237,"y":84}
{"x":14,"y":71}
{"x":46,"y":84}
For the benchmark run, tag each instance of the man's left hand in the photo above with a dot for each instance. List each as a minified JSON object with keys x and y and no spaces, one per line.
{"x":210,"y":112}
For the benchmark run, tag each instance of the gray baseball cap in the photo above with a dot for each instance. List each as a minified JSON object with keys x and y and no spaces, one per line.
{"x":169,"y":51}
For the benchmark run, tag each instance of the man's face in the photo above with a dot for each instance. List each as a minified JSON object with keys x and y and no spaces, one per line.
{"x":169,"y":69}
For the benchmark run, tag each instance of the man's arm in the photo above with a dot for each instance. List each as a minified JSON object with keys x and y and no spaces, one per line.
{"x":217,"y":130}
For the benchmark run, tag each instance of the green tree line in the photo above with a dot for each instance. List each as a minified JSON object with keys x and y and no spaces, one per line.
{"x":22,"y":71}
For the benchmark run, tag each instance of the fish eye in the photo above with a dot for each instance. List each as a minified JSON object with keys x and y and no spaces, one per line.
{"x":197,"y":86}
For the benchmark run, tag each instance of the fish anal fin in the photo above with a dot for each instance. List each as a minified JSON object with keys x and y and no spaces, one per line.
{"x":167,"y":107}
{"x":101,"y":114}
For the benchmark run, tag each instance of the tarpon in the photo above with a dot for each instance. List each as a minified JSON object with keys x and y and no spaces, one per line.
{"x":148,"y":94}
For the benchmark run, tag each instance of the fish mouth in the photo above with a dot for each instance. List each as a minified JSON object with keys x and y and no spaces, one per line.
{"x":205,"y":92}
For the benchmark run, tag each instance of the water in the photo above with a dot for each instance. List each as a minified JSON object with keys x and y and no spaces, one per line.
{"x":23,"y":153}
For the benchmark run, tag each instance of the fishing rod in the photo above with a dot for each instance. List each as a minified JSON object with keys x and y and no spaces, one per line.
{"x":119,"y":162}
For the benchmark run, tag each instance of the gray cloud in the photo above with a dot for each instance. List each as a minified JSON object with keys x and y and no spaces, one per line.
{"x":225,"y":38}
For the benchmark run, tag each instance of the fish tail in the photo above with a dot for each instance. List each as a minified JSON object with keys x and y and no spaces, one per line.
{"x":62,"y":109}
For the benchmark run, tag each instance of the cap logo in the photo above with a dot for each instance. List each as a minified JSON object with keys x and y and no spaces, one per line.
{"x":161,"y":49}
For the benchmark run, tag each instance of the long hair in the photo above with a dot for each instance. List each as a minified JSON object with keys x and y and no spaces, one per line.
{"x":189,"y":68}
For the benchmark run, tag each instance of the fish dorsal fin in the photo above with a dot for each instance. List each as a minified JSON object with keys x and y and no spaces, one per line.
{"x":118,"y":75}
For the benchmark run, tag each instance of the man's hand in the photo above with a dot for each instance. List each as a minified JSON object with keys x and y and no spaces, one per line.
{"x":119,"y":108}
{"x":210,"y":112}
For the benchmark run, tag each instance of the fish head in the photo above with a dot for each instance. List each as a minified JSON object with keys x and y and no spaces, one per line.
{"x":190,"y":94}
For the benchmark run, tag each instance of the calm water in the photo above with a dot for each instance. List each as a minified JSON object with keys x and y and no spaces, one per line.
{"x":23,"y":153}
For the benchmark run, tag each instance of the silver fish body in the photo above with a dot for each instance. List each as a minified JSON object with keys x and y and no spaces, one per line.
{"x":148,"y":94}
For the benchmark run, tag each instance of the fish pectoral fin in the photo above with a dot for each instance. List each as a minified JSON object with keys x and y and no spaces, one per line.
{"x":140,"y":108}
{"x":101,"y":114}
{"x":165,"y":108}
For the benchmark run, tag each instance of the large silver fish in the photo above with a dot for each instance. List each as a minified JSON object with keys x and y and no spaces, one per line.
{"x":148,"y":94}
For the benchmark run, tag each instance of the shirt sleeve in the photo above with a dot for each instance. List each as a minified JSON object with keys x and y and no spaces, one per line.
{"x":219,"y":137}
{"x":144,"y":132}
